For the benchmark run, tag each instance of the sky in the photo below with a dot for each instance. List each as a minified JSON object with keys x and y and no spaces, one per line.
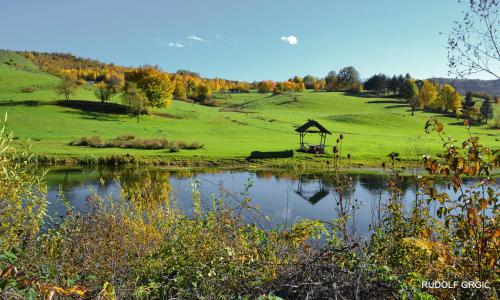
{"x":241,"y":40}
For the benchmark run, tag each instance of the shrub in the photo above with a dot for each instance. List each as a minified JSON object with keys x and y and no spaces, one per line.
{"x":211,"y":102}
{"x":130,"y":141}
{"x":459,"y":243}
{"x":93,"y":141}
{"x":193,"y":146}
{"x":27,"y":89}
{"x":22,"y":201}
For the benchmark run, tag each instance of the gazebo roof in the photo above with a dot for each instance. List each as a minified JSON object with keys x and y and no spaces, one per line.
{"x":311,"y":123}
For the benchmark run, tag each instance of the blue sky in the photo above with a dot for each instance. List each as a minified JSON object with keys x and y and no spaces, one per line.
{"x":242,"y":40}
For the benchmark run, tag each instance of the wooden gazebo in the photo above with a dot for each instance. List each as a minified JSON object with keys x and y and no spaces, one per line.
{"x":312,"y":126}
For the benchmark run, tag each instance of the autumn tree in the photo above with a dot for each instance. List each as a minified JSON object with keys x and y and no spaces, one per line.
{"x":266,"y":86}
{"x":282,"y":87}
{"x":155,"y":83}
{"x":319,"y":85}
{"x":297,"y":79}
{"x":427,"y":94}
{"x":107,"y":88}
{"x":299,"y":87}
{"x":409,"y":91}
{"x":455,"y":103}
{"x":309,"y":81}
{"x":486,"y":110}
{"x":135,"y":99}
{"x":68,"y":85}
{"x":180,"y":91}
{"x":444,"y":93}
{"x":332,"y":82}
{"x":204,"y":93}
{"x":447,"y":99}
{"x":191,"y":88}
{"x":474,"y":43}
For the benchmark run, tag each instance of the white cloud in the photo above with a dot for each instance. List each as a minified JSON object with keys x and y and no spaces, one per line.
{"x":160,"y":42}
{"x":164,"y":43}
{"x":176,"y":45}
{"x":292,"y":40}
{"x":195,"y":38}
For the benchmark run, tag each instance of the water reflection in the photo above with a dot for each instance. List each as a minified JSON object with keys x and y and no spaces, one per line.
{"x":313,"y":195}
{"x":285,"y":197}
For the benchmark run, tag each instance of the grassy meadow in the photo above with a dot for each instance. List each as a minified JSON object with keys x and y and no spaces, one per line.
{"x":372,"y":127}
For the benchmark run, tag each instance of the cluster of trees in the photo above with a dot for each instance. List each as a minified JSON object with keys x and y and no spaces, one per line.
{"x":295,"y":84}
{"x":109,"y":79}
{"x":346,"y":80}
{"x":429,"y":95}
{"x":141,"y":87}
{"x":381,"y":83}
{"x":156,"y":84}
{"x":150,"y":86}
{"x":68,"y":85}
{"x":54,"y":63}
{"x":474,"y":115}
{"x":110,"y":84}
{"x":308,"y":82}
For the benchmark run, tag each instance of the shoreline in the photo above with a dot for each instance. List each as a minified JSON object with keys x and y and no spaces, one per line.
{"x":296,"y":165}
{"x":323,"y":162}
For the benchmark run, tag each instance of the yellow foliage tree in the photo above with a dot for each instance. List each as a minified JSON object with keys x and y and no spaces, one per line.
{"x":427,"y":95}
{"x":179,"y":89}
{"x":444,"y":93}
{"x":455,"y":102}
{"x":155,"y":83}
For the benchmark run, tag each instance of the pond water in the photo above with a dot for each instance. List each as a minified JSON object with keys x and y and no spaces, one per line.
{"x":284,"y":197}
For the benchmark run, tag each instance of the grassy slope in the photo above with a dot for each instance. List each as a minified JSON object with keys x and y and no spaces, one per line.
{"x":372,"y":127}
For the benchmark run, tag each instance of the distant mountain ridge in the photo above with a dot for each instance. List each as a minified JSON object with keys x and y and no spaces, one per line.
{"x":490,"y":87}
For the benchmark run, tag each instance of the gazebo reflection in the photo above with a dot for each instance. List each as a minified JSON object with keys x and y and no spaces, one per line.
{"x":312,"y":195}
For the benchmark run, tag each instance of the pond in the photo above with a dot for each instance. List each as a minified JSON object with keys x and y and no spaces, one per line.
{"x":284,"y":197}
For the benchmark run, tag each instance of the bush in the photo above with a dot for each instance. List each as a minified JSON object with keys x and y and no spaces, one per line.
{"x":93,"y":141}
{"x":193,"y":146}
{"x":28,"y":89}
{"x":22,"y":201}
{"x":130,"y":141}
{"x":211,"y":102}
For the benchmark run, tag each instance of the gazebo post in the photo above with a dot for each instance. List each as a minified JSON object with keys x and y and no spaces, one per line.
{"x":323,"y":140}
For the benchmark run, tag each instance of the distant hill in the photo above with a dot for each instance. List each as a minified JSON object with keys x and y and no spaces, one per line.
{"x":491,"y":87}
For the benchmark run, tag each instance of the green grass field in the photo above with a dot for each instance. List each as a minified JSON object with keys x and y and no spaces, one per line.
{"x":373,"y":127}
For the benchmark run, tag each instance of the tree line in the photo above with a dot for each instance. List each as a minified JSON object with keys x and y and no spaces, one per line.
{"x":149,"y":86}
{"x":347,"y":79}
